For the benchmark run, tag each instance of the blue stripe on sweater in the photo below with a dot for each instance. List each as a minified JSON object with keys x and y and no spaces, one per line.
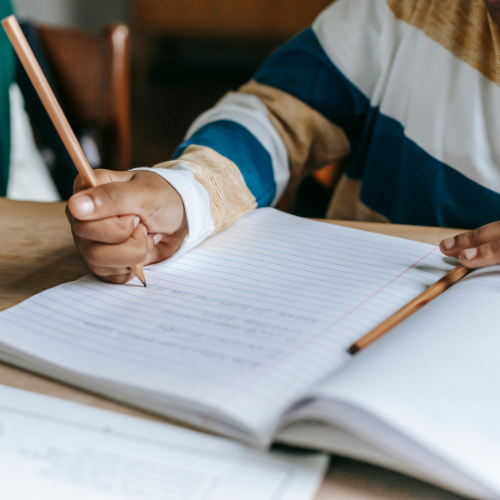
{"x":399,"y":179}
{"x":409,"y":186}
{"x":235,"y":142}
{"x":302,"y":68}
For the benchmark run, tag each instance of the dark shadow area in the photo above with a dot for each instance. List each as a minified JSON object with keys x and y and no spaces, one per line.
{"x":185,"y":78}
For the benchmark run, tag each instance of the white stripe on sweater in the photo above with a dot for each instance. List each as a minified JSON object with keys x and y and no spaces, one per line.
{"x":249,"y":112}
{"x":445,"y":106}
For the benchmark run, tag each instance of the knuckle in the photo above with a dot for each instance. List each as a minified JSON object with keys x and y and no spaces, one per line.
{"x":76,"y":227}
{"x":495,"y":247}
{"x":125,"y":225}
{"x":109,"y":193}
{"x":141,"y":249}
{"x":93,"y":256}
{"x":80,"y":245}
{"x":469,"y":239}
{"x":491,"y":252}
{"x":100,"y":173}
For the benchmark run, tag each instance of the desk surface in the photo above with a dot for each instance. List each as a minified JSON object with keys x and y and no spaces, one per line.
{"x":37,"y":252}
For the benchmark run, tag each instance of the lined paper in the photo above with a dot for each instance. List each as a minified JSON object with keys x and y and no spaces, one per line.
{"x":239,"y":327}
{"x":55,"y":449}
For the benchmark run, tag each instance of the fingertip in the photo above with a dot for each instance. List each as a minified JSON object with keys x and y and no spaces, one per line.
{"x":140,"y":234}
{"x":447,"y":244}
{"x":81,"y":206}
{"x":118,"y":279}
{"x":469,"y":254}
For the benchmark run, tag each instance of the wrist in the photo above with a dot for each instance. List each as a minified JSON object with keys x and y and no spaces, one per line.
{"x":197,"y":223}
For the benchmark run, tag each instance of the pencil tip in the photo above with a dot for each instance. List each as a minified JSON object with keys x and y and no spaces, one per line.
{"x":353,"y":349}
{"x":145,"y":284}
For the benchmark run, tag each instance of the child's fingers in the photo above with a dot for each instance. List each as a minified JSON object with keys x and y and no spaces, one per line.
{"x":167,"y":246}
{"x":112,"y":230}
{"x":471,"y":239}
{"x":113,"y":274}
{"x":144,"y":194}
{"x":108,"y":200}
{"x":483,"y":255}
{"x":129,"y":253}
{"x":123,"y":275}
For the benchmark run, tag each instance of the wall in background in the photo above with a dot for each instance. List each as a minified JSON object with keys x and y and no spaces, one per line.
{"x":86,"y":14}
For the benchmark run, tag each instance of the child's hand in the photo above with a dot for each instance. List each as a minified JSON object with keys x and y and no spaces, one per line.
{"x":133,"y":217}
{"x":477,"y":248}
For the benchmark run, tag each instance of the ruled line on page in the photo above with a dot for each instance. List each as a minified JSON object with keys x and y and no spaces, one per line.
{"x":327,"y":239}
{"x":129,"y":317}
{"x":272,"y":367}
{"x":348,"y":271}
{"x":284,"y":249}
{"x":96,"y":342}
{"x":249,"y":250}
{"x":224,"y":303}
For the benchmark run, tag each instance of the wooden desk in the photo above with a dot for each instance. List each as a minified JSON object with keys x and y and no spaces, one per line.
{"x":37,"y":252}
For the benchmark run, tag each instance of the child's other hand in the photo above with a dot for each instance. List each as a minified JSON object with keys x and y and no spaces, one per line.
{"x":131,"y":218}
{"x":477,"y":248}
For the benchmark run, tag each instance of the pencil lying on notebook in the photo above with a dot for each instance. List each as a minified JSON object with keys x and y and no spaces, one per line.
{"x":42,"y":87}
{"x":426,"y":296}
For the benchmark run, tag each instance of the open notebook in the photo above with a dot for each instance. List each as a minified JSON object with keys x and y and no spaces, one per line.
{"x":246,"y":335}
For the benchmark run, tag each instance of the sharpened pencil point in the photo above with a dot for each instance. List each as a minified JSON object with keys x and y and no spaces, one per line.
{"x":138,"y":272}
{"x":353,"y":349}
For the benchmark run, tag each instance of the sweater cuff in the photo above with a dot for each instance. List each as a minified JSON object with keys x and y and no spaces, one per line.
{"x":196,"y":204}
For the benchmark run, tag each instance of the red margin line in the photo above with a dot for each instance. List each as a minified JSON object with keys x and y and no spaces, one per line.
{"x":217,"y":408}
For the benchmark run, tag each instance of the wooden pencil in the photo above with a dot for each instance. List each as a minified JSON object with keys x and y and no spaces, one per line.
{"x":54,"y":110}
{"x":425,"y":297}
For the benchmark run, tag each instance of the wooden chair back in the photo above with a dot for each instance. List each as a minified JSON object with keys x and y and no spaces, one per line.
{"x":92,"y":74}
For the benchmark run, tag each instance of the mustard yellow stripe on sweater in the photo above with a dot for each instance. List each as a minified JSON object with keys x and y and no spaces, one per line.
{"x":311,"y":140}
{"x":229,"y":196}
{"x":463,"y":27}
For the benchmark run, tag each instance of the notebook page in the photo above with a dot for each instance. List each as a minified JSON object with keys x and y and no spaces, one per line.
{"x":435,"y":380}
{"x":55,"y":449}
{"x":242,"y":325}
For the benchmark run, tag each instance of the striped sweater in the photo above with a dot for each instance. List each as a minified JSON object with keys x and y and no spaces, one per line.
{"x":407,"y":89}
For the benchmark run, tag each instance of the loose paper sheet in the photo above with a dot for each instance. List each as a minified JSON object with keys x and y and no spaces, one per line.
{"x":57,"y":450}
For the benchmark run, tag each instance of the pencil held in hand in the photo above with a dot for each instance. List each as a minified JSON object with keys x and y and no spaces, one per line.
{"x":425,"y":297}
{"x":44,"y":91}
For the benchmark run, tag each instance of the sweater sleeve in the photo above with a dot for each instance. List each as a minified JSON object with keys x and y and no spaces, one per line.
{"x":304,"y":109}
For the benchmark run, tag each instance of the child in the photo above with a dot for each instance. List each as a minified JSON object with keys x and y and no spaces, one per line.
{"x":407,"y":88}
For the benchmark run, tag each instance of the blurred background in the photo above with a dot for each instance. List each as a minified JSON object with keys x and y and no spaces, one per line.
{"x":183,"y":54}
